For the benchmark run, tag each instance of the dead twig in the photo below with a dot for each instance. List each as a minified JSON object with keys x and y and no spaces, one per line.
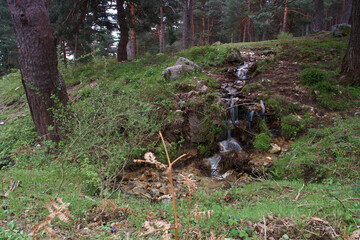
{"x":298,"y":195}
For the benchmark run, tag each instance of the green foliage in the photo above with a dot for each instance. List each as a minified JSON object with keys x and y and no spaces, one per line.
{"x":329,"y":151}
{"x":313,"y":76}
{"x":207,"y":56}
{"x":262,"y":141}
{"x":265,"y":64}
{"x":292,"y":126}
{"x":251,"y":87}
{"x":284,"y":38}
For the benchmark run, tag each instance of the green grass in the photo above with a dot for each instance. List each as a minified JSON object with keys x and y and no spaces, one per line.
{"x":114,"y":120}
{"x":329,"y":153}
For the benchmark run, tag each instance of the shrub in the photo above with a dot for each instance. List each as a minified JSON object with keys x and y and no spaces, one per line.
{"x":313,"y":76}
{"x":262,"y":141}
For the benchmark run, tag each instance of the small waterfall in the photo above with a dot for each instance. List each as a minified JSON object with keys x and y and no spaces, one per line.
{"x":243,"y":72}
{"x":230,"y":144}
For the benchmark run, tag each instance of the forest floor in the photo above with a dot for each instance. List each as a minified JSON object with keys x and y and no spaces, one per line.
{"x":309,"y":189}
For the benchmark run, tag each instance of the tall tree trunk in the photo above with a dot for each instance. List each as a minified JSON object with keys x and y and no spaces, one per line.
{"x":63,"y":48}
{"x":244,"y":35}
{"x":162,"y":30}
{"x":318,"y":23}
{"x":187,"y":39}
{"x":285,"y":19}
{"x":76,"y":50}
{"x":346,"y":11}
{"x":38,"y":64}
{"x":351,"y":61}
{"x":124,"y":31}
{"x":132,"y":32}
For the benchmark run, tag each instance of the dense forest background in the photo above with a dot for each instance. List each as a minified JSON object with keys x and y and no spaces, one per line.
{"x":85,"y":28}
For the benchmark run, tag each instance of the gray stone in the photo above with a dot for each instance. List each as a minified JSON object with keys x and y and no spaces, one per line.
{"x":182,"y":65}
{"x":216,"y":43}
{"x":204,"y":89}
{"x":172,"y":72}
{"x":197,"y":129}
{"x":234,"y":56}
{"x":341,"y":30}
{"x":188,"y":65}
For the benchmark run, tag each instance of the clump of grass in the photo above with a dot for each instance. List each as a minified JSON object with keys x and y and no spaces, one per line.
{"x":262,"y":141}
{"x":313,"y":76}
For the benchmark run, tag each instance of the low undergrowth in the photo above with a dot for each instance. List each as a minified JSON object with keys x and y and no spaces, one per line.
{"x":311,"y":192}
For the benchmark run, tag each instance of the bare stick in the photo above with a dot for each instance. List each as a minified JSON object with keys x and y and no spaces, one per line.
{"x":298,"y":195}
{"x":264,"y":228}
{"x":172,"y":187}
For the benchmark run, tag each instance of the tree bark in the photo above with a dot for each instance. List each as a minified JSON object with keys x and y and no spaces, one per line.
{"x":318,"y":23}
{"x":162,"y":30}
{"x":351,"y":61}
{"x":187,"y":40}
{"x":44,"y":87}
{"x":63,"y":48}
{"x":132,"y":53}
{"x":346,"y":11}
{"x":285,"y":19}
{"x":124,"y":31}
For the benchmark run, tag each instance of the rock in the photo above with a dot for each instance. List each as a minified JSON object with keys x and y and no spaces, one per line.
{"x":341,"y":30}
{"x":234,"y":56}
{"x":216,"y":43}
{"x":252,"y":67}
{"x":274,"y":148}
{"x":200,"y":84}
{"x":188,"y":65}
{"x":197,"y":129}
{"x":204,"y":89}
{"x":172,"y":72}
{"x":182,"y":65}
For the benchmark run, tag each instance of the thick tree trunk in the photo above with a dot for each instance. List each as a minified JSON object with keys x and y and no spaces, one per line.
{"x":124,"y":31}
{"x":346,"y":11}
{"x":187,"y":40}
{"x":44,"y":87}
{"x":351,"y":61}
{"x":318,"y":23}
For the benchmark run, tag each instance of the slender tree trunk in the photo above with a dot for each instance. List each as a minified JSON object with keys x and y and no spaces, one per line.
{"x":351,"y":61}
{"x":285,"y":19}
{"x":124,"y":31}
{"x":346,"y":11}
{"x":232,"y":37}
{"x":132,"y":32}
{"x":244,"y":34}
{"x":76,"y":50}
{"x":162,"y":30}
{"x":44,"y":87}
{"x":318,"y":17}
{"x":187,"y":39}
{"x":63,"y":48}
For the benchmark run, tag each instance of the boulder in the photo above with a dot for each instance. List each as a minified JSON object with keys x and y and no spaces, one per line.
{"x":234,"y":56}
{"x":197,"y":129}
{"x":182,"y":65}
{"x":188,"y":65}
{"x":216,"y":43}
{"x":172,"y":72}
{"x":341,"y":30}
